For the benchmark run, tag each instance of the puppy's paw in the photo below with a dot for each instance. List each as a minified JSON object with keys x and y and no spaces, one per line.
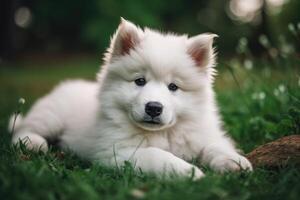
{"x":191,"y":171}
{"x":236,"y":162}
{"x":32,"y":141}
{"x":196,"y":173}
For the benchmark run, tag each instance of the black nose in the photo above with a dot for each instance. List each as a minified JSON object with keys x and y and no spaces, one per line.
{"x":153,"y":108}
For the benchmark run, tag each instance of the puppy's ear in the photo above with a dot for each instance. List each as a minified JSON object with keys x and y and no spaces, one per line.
{"x":200,"y":48}
{"x":126,"y":38}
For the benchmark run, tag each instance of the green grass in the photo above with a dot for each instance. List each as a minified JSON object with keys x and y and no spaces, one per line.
{"x":257,"y":106}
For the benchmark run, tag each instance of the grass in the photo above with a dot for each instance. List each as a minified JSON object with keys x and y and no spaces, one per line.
{"x":257,"y":105}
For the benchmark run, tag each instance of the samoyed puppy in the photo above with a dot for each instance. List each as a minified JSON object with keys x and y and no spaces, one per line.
{"x":153,"y":105}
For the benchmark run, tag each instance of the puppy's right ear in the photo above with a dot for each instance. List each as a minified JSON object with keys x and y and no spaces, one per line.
{"x":125,"y":39}
{"x":200,"y":48}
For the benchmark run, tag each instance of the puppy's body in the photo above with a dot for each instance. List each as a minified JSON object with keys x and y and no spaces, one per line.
{"x":153,"y":105}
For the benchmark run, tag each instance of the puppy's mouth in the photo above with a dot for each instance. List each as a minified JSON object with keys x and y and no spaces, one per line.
{"x":151,"y":124}
{"x":155,"y":121}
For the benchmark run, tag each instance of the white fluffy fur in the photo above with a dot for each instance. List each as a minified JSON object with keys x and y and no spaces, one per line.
{"x":100,"y":120}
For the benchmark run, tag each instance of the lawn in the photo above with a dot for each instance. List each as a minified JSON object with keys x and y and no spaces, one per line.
{"x":258,"y":105}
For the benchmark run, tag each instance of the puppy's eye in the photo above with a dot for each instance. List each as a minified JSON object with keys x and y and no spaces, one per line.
{"x":140,"y":81}
{"x":172,"y":87}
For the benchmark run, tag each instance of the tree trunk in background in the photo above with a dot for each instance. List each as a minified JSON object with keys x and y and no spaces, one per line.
{"x":262,"y":29}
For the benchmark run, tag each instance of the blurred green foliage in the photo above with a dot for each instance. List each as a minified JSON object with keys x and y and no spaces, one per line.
{"x":87,"y":25}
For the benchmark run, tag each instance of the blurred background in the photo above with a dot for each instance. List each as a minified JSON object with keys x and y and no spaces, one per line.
{"x":33,"y":28}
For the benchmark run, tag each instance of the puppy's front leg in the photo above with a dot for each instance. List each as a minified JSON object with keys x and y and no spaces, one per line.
{"x":158,"y":161}
{"x":222,"y":156}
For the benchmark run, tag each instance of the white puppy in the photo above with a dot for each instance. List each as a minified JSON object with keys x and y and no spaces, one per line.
{"x":153,"y":105}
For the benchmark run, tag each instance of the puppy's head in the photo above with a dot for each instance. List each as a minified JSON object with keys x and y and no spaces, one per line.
{"x":154,"y":79}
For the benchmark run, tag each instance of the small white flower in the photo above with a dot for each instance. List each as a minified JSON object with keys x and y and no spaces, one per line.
{"x":281,"y":88}
{"x":248,"y":64}
{"x":242,"y":45}
{"x":291,"y":27}
{"x":137,"y":193}
{"x":287,"y":49}
{"x":264,"y":41}
{"x":243,"y":41}
{"x":261,"y":95}
{"x":276,"y":92}
{"x":22,"y":101}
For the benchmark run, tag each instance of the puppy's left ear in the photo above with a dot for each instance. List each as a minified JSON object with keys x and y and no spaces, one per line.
{"x":126,"y":38}
{"x":200,"y":48}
